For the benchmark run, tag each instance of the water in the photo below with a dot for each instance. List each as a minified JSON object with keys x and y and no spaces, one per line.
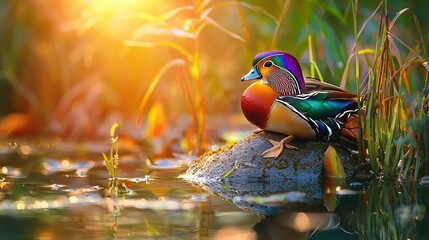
{"x":63,"y":194}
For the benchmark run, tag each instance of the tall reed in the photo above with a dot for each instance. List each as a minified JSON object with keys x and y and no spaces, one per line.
{"x":393,"y":147}
{"x":187,"y":64}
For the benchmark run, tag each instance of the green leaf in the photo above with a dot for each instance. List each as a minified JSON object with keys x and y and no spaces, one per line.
{"x":113,"y":132}
{"x":230,"y":171}
{"x":108,"y":165}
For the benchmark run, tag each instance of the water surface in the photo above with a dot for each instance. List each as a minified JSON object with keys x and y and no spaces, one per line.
{"x":65,"y":195}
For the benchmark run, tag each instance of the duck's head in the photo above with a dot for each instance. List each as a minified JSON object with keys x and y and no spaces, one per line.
{"x":280,"y":70}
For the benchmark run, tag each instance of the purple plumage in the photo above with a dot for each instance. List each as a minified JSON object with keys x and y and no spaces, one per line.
{"x":284,"y":60}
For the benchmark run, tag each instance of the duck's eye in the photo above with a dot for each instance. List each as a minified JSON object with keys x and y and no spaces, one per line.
{"x":268,"y":64}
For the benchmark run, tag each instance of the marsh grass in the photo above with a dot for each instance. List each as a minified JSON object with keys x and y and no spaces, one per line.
{"x":187,"y":64}
{"x":393,"y":147}
{"x":389,"y":72}
{"x":387,"y":69}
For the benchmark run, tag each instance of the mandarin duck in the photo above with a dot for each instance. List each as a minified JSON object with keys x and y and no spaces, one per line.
{"x":285,"y":102}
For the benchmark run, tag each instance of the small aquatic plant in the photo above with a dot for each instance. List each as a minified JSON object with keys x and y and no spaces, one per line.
{"x":112,"y":161}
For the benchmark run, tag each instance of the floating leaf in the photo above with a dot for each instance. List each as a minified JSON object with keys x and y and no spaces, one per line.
{"x":333,"y":165}
{"x":273,"y":199}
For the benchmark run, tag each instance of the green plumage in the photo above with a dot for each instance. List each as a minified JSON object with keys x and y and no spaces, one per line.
{"x":324,"y":113}
{"x":319,"y":105}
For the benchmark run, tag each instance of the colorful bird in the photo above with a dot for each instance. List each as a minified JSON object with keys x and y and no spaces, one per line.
{"x":283,"y":101}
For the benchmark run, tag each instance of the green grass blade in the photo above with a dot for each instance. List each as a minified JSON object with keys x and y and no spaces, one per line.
{"x":230,"y":171}
{"x":108,"y":164}
{"x":391,"y":136}
{"x":213,"y":23}
{"x":280,"y":24}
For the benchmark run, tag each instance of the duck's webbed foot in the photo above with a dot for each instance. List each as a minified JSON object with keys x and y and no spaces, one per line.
{"x":277,"y":148}
{"x":258,"y":131}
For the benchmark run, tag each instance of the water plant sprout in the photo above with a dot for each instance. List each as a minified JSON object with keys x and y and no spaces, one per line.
{"x":113,"y":160}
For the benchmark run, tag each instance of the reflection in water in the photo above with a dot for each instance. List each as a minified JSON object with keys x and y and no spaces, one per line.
{"x":299,"y":225}
{"x":61,"y":203}
{"x":374,"y":211}
{"x":394,"y":211}
{"x":308,"y":221}
{"x":234,"y":233}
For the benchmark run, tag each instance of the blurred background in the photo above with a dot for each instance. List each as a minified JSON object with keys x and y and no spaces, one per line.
{"x":169,"y":70}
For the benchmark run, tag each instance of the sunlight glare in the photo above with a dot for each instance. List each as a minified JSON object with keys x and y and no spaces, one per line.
{"x":106,"y":5}
{"x":46,"y":236}
{"x":233,"y":233}
{"x":20,"y":205}
{"x":187,"y":205}
{"x":65,"y":164}
{"x":73,"y":199}
{"x":301,"y":222}
{"x":111,"y":17}
{"x":189,"y":25}
{"x":25,"y":149}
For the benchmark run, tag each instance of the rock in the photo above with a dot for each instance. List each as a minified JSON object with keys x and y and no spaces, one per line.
{"x":242,"y":161}
{"x":239,"y":174}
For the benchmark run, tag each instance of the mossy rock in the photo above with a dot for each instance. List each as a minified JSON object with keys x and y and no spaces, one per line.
{"x":237,"y":170}
{"x":242,"y":161}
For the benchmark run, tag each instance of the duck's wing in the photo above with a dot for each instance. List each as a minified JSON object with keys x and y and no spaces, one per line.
{"x":315,"y":85}
{"x":326,"y":112}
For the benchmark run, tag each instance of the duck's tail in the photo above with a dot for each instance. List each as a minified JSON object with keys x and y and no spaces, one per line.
{"x":350,"y":132}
